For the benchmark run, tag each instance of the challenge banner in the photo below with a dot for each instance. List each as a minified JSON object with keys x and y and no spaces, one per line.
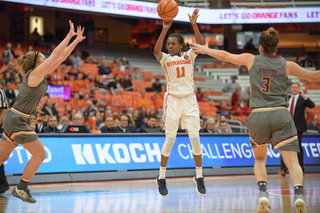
{"x":84,"y":154}
{"x":207,"y":16}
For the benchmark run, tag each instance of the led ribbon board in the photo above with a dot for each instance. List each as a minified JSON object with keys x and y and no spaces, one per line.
{"x":207,"y":16}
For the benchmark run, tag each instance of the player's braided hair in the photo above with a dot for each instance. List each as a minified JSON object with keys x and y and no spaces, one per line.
{"x":181,"y":41}
{"x":269,"y":40}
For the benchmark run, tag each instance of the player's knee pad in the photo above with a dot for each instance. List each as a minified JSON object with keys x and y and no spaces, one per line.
{"x":167,"y":146}
{"x":195,"y":142}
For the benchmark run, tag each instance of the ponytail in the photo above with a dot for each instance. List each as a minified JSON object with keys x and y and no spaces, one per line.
{"x":28,"y":61}
{"x":185,"y":47}
{"x":269,"y":40}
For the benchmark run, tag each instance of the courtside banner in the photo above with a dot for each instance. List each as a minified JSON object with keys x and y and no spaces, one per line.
{"x":207,"y":16}
{"x":111,"y":153}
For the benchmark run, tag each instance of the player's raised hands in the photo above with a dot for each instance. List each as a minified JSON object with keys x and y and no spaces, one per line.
{"x":71,"y":31}
{"x":194,"y":17}
{"x":80,"y":36}
{"x":167,"y":24}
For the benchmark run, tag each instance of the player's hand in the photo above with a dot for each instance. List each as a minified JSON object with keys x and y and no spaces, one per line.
{"x":167,"y":24}
{"x":71,"y":31}
{"x":198,"y":48}
{"x":80,"y":36}
{"x":194,"y":17}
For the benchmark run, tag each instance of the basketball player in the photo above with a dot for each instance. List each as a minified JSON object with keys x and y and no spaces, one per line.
{"x":179,"y":100}
{"x":270,"y":122}
{"x":34,"y":68}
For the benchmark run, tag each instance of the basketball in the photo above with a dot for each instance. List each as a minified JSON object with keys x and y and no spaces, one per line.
{"x":167,"y":9}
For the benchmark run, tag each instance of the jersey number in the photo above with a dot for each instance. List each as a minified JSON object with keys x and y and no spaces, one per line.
{"x":266,"y":85}
{"x":178,"y":72}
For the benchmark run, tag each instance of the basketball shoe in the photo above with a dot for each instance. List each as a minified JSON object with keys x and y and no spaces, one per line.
{"x":263,"y":203}
{"x":24,"y":195}
{"x":299,"y":204}
{"x":201,"y":189}
{"x":162,"y":187}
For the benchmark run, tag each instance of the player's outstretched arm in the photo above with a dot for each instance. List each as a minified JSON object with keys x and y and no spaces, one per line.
{"x":59,"y":54}
{"x":193,"y":20}
{"x":296,"y":70}
{"x":157,"y":48}
{"x":238,"y":59}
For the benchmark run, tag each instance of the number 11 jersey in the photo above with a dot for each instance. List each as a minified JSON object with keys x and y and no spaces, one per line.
{"x":179,"y":73}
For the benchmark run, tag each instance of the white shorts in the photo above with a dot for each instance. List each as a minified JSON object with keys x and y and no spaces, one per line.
{"x":186,"y":108}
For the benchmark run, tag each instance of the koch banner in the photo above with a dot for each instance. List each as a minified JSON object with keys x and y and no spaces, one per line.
{"x":112,"y":153}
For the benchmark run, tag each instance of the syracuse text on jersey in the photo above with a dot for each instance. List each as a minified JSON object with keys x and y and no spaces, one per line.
{"x":181,"y":62}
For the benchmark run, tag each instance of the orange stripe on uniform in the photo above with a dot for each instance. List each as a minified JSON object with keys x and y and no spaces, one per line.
{"x":165,"y":114}
{"x":167,"y":73}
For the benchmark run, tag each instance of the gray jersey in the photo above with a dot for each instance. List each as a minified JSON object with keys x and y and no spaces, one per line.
{"x":268,"y":82}
{"x":29,"y":97}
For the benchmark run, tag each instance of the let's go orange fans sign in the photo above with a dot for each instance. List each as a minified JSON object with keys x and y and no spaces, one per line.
{"x":207,"y":16}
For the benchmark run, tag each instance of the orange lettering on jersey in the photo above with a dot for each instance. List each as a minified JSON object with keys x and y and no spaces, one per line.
{"x":181,"y":62}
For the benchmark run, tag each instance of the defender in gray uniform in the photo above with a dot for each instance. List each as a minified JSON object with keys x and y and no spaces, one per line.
{"x":34,"y":68}
{"x":16,"y":127}
{"x":270,"y":122}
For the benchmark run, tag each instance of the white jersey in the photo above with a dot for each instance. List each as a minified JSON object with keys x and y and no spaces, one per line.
{"x":179,"y":73}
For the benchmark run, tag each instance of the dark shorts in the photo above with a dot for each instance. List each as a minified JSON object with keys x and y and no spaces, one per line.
{"x":273,"y":126}
{"x":17,"y":129}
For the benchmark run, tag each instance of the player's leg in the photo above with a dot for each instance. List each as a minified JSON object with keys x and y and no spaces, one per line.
{"x":259,"y":131}
{"x":38,"y":155}
{"x":190,"y":120}
{"x":260,"y":172}
{"x":171,"y":117}
{"x":296,"y":177}
{"x":286,"y":141}
{"x":197,"y":154}
{"x":165,"y":152}
{"x":6,"y":147}
{"x":260,"y":159}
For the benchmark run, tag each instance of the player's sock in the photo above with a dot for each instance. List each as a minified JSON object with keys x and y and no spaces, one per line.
{"x":298,"y":189}
{"x":299,"y":203}
{"x":262,"y":186}
{"x":23,"y":184}
{"x":162,"y":173}
{"x":198,"y":172}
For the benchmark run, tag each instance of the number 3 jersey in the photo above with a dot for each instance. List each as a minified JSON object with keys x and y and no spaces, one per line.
{"x":268,"y":82}
{"x":179,"y":73}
